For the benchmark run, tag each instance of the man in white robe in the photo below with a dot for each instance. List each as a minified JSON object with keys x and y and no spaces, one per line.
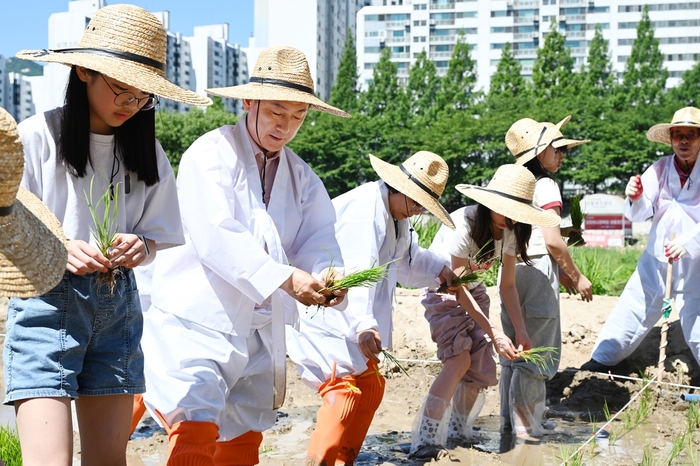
{"x":669,"y":191}
{"x":259,"y":229}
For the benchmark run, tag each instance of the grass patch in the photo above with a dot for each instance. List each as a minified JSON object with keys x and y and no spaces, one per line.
{"x":10,"y":451}
{"x":608,"y":269}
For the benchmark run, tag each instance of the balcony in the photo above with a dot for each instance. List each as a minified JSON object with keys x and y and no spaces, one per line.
{"x":525,"y":53}
{"x":401,"y":55}
{"x":393,"y":40}
{"x":397,"y":24}
{"x":574,"y":33}
{"x":524,"y":19}
{"x":519,"y":3}
{"x":578,"y":51}
{"x":523,"y":35}
{"x":575,"y":18}
{"x":450,"y":38}
{"x":445,"y":22}
{"x":434,"y":55}
{"x":442,"y":6}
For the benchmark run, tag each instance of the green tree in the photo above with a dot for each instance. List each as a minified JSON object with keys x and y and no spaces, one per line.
{"x":177,"y":131}
{"x":384,"y":90}
{"x":553,"y":70}
{"x":457,"y":90}
{"x":597,"y":77}
{"x":687,"y":93}
{"x":507,"y":78}
{"x":344,"y":93}
{"x":645,"y":77}
{"x":423,"y":86}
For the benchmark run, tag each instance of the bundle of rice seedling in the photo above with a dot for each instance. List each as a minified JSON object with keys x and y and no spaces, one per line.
{"x":104,"y":229}
{"x":390,"y":357}
{"x":577,"y":218}
{"x":468,"y":276}
{"x":540,"y":356}
{"x":363,"y":278}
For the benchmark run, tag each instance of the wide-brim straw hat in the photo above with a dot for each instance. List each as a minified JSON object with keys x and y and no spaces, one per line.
{"x":422,"y":177}
{"x":126,"y":43}
{"x":280,"y":73}
{"x":688,"y":117}
{"x":510,"y":193}
{"x":560,"y":141}
{"x":33,"y":253}
{"x":527,"y":138}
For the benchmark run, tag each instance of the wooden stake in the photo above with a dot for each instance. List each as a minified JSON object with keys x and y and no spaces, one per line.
{"x":664,"y":325}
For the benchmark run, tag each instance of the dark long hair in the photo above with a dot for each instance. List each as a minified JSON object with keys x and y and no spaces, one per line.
{"x":480,"y":231}
{"x":135,"y":140}
{"x":536,"y":168}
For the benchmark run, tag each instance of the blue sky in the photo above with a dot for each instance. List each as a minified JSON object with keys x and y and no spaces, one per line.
{"x":25,"y":22}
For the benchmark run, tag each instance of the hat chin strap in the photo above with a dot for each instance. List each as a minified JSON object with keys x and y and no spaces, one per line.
{"x":419,"y":183}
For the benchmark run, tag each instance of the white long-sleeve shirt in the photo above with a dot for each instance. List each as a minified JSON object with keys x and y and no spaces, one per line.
{"x":237,"y":251}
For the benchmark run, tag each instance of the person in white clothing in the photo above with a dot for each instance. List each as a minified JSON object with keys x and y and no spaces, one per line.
{"x":259,"y":231}
{"x":668,"y":192}
{"x":81,"y":339}
{"x":336,"y":353}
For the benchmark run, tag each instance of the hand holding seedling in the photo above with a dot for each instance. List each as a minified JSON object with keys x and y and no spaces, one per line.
{"x":503,"y":345}
{"x":304,"y":288}
{"x":634,"y":188}
{"x":128,"y":250}
{"x":85,"y":258}
{"x":370,"y":344}
{"x":333,"y":296}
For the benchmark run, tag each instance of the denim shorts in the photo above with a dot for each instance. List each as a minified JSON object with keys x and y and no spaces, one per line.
{"x":75,"y":340}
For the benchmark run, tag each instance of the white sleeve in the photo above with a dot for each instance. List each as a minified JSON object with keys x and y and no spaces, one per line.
{"x":643,"y":208}
{"x":424,"y":268}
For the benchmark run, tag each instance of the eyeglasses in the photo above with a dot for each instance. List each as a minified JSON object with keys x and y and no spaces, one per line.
{"x":124,"y":99}
{"x":416,"y":207}
{"x":690,"y":136}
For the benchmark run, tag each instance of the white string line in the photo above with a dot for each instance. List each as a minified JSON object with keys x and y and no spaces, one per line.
{"x":649,"y":382}
{"x":614,"y":376}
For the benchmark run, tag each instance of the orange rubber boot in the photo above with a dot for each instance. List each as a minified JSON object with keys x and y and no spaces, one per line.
{"x":371,"y":384}
{"x":192,"y":443}
{"x":137,"y":413}
{"x":241,"y":451}
{"x":340,"y":397}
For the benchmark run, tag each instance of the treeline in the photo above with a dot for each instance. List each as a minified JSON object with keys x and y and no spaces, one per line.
{"x":448,"y":116}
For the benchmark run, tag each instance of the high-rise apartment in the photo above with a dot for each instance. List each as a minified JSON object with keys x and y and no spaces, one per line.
{"x":316,"y":27}
{"x":434,"y":25}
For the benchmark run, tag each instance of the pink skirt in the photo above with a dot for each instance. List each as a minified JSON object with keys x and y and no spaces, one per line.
{"x":454,"y":331}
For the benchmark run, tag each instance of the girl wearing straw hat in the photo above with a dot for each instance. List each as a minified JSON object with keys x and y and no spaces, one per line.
{"x":522,"y":385}
{"x":669,"y":192}
{"x":259,"y":236}
{"x":336,"y":353}
{"x":498,"y":226}
{"x":81,"y":340}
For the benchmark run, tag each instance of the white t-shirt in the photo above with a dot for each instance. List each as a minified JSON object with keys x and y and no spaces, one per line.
{"x":152,"y":211}
{"x":547,"y":196}
{"x":459,"y":242}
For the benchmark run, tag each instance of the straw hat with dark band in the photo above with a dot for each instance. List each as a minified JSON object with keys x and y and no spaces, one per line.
{"x":560,"y":141}
{"x":126,"y":43}
{"x":280,"y":73}
{"x":33,"y":252}
{"x":510,"y":193}
{"x":527,"y":138}
{"x":687,"y":117}
{"x":422,"y":177}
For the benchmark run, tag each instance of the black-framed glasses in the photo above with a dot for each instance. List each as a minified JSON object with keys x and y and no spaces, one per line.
{"x":416,"y":207}
{"x":691,"y":135}
{"x":124,"y":99}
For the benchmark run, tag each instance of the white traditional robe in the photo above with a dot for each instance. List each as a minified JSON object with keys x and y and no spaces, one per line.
{"x":367,"y":237}
{"x":212,"y":339}
{"x":675,"y":209}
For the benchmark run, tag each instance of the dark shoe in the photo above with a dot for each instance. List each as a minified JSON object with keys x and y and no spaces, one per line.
{"x":428,"y":452}
{"x":595,"y":366}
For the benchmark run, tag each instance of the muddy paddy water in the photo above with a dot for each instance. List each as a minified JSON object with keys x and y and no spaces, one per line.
{"x":576,"y":405}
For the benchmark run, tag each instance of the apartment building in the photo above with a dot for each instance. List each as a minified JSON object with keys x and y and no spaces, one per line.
{"x":433,"y":25}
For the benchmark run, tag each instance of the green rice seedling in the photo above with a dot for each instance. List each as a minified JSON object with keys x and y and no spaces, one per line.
{"x":677,"y":445}
{"x":363,"y":278}
{"x":10,"y":451}
{"x":693,"y":416}
{"x":390,"y":357}
{"x":104,"y":229}
{"x":569,"y":456}
{"x":648,"y":456}
{"x":540,"y":356}
{"x":426,"y":232}
{"x":577,"y":218}
{"x":614,"y":433}
{"x":463,"y":279}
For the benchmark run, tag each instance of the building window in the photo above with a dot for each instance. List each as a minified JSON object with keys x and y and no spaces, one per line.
{"x":370,"y":66}
{"x":422,"y":6}
{"x":659,"y":7}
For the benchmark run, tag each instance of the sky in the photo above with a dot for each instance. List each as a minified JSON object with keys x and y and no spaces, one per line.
{"x":25,"y":22}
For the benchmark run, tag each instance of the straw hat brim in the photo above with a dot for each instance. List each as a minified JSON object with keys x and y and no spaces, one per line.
{"x":547,"y":138}
{"x":257,"y":91}
{"x":514,"y":210}
{"x":398,"y":180}
{"x":142,"y":77}
{"x":33,"y":253}
{"x":662,"y":132}
{"x":569,"y":143}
